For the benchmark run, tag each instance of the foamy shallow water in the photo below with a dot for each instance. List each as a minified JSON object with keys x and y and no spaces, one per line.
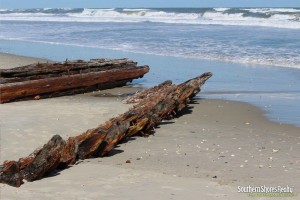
{"x":274,"y":89}
{"x":267,"y":17}
{"x":264,"y":36}
{"x":253,"y":52}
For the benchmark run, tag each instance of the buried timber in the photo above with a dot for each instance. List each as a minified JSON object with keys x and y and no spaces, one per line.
{"x":152,"y":106}
{"x":44,"y":80}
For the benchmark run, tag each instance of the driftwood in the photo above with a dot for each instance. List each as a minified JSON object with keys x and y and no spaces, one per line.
{"x":155,"y":104}
{"x":70,"y":77}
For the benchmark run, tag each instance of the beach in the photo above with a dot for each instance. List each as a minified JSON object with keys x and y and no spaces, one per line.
{"x":213,"y":147}
{"x":241,"y":131}
{"x":11,"y":60}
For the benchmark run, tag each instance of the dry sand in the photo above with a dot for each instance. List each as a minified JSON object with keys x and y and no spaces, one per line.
{"x":10,"y":60}
{"x":206,"y":153}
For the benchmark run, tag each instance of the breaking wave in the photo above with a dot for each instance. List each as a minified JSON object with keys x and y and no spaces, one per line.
{"x":266,"y":17}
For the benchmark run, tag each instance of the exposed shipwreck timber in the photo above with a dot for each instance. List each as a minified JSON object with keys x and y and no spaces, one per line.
{"x":64,"y":78}
{"x":154,"y":105}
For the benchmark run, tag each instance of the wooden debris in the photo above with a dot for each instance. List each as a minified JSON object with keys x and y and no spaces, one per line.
{"x":43,"y":80}
{"x":143,"y":94}
{"x":155,"y":104}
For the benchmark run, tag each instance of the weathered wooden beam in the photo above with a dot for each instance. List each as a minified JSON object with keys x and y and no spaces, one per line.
{"x":147,"y":93}
{"x":56,"y":79}
{"x":69,"y":67}
{"x":12,"y":91}
{"x":155,"y":104}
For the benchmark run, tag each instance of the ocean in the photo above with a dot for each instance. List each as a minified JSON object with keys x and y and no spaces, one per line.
{"x":254,"y":53}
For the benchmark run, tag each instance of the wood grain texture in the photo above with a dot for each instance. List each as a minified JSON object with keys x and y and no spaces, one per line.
{"x":57,"y":79}
{"x":155,"y":104}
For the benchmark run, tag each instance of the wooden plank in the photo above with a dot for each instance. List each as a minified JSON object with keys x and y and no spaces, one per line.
{"x":13,"y":91}
{"x":161,"y":102}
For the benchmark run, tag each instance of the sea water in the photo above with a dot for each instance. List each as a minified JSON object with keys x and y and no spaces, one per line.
{"x":254,"y":53}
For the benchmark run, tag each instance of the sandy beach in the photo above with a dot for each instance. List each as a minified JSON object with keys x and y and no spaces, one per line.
{"x":206,"y":153}
{"x":11,"y":60}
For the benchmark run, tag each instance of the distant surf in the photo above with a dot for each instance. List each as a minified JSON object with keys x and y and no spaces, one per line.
{"x":266,"y":17}
{"x":265,"y":36}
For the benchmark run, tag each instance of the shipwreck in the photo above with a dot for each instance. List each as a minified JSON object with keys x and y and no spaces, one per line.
{"x":44,"y":80}
{"x":151,"y":107}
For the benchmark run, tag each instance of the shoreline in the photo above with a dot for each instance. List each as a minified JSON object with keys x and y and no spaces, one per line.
{"x":280,"y":107}
{"x":215,"y":146}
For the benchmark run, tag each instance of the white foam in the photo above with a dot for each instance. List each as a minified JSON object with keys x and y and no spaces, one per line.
{"x":278,"y":20}
{"x":272,"y":10}
{"x":135,"y":9}
{"x":221,"y":9}
{"x":96,"y":13}
{"x":281,"y":17}
{"x":237,"y":58}
{"x":223,"y":16}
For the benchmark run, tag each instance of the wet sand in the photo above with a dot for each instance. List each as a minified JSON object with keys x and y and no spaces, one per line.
{"x":213,"y":147}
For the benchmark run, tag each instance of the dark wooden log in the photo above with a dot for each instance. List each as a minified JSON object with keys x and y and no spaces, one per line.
{"x":63,"y":68}
{"x":57,"y":79}
{"x":69,"y":153}
{"x":10,"y":174}
{"x":45,"y":160}
{"x":155,"y":104}
{"x":147,"y":93}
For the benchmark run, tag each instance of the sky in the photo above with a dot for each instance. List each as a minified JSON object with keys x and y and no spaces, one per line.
{"x":145,"y":3}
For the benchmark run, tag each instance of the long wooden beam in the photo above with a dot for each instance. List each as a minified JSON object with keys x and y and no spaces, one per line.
{"x":56,"y":79}
{"x":155,"y":104}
